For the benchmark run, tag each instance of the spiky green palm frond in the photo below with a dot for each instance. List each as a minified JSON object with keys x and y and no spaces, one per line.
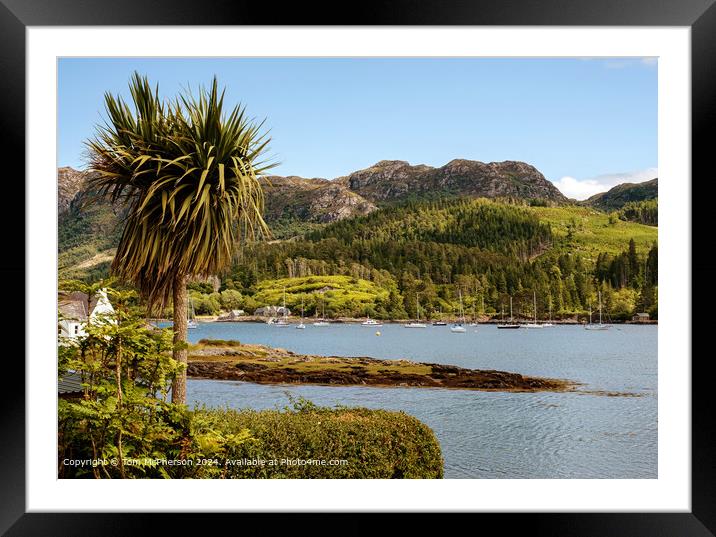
{"x":188,"y":173}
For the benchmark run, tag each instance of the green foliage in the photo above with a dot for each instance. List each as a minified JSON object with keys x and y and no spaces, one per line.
{"x":205,"y":304}
{"x":480,"y":223}
{"x":623,"y":194}
{"x":622,"y":304}
{"x":338,"y":295}
{"x":376,"y":444}
{"x":643,"y":212}
{"x":219,"y":342}
{"x":592,"y":231}
{"x":124,"y":417}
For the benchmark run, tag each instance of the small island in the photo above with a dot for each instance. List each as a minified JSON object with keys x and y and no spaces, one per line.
{"x":232,"y":360}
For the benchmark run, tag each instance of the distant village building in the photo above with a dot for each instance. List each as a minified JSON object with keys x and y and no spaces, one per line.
{"x":272,"y":311}
{"x":233,"y":315}
{"x":76,"y":309}
{"x":640,"y":317}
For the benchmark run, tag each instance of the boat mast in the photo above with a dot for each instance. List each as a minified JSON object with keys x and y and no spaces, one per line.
{"x":600,"y":306}
{"x":462,"y":312}
{"x":534,"y":298}
{"x":511,"y":309}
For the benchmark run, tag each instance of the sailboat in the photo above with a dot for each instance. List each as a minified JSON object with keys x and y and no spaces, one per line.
{"x":322,"y":321}
{"x":371,"y":322}
{"x":458,"y":328}
{"x":416,"y":324}
{"x":282,"y":323}
{"x":599,"y":326}
{"x":549,"y":323}
{"x":533,"y":324}
{"x":438,"y":322}
{"x":191,"y":318}
{"x":482,"y":311}
{"x":301,"y":326}
{"x":511,"y":325}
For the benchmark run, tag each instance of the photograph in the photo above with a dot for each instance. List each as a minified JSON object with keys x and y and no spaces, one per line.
{"x":358,"y":267}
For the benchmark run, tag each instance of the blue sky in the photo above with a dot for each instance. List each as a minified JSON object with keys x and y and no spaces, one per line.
{"x":586,"y":124}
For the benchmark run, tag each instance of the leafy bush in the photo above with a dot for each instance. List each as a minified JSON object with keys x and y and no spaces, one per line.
{"x":375,"y":444}
{"x":219,"y":342}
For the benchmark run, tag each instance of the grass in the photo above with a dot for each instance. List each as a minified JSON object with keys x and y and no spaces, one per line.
{"x":593,"y":233}
{"x":340,"y":293}
{"x":281,"y":359}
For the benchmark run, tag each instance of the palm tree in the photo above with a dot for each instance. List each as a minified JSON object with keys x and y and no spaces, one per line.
{"x":188,"y":174}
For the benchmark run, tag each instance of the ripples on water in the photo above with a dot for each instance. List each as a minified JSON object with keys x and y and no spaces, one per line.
{"x":488,"y":434}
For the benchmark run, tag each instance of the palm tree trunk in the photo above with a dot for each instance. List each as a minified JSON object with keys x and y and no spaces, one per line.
{"x":180,"y":297}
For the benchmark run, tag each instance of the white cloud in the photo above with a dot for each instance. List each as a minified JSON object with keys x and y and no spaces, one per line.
{"x":583,"y":188}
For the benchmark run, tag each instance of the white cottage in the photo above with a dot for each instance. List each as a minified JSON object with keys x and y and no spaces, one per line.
{"x":77,"y":308}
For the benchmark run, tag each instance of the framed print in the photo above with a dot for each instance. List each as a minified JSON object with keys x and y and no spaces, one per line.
{"x":407,"y":262}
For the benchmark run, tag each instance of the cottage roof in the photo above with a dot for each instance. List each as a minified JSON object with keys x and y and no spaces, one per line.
{"x":70,"y":382}
{"x":73,"y":305}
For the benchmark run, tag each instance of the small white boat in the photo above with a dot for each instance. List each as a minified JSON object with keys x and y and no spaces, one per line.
{"x":474,"y":322}
{"x":191,"y":320}
{"x":417,"y":323}
{"x":283,"y":322}
{"x":507,"y":326}
{"x":458,"y":328}
{"x":301,"y":326}
{"x":599,"y":326}
{"x":322,"y":321}
{"x":549,"y":323}
{"x":535,"y":324}
{"x":371,"y":322}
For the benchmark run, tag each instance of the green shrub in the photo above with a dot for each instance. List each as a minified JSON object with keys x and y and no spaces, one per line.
{"x":220,"y":342}
{"x":376,"y":444}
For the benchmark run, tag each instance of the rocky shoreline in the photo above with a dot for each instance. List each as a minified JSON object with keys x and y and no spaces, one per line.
{"x":229,"y":360}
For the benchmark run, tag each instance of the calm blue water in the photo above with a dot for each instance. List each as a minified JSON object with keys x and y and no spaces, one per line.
{"x":488,"y":434}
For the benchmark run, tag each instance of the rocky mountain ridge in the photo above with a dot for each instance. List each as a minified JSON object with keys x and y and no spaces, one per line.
{"x":320,"y":200}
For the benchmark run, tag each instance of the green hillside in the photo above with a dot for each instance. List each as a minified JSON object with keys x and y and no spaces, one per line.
{"x":618,"y":196}
{"x":339,"y":295}
{"x":589,"y":232}
{"x":389,"y":262}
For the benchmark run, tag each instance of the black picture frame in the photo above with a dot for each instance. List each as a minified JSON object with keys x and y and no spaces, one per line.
{"x":16,"y":15}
